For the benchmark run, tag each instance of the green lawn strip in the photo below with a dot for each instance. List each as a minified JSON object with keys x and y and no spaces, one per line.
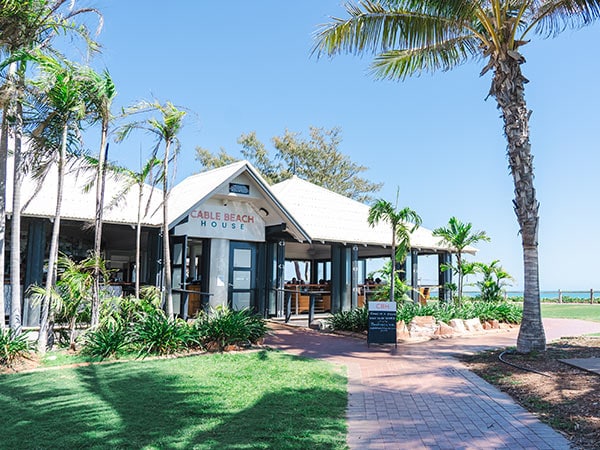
{"x":223,"y":401}
{"x":63,"y":358}
{"x":571,"y":311}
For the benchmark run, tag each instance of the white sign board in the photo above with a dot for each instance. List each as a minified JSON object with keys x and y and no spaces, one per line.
{"x":235,"y":221}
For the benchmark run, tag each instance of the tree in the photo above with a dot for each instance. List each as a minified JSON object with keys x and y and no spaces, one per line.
{"x":101,"y":91}
{"x":410,"y":37}
{"x":399,"y":220}
{"x":25,"y":28}
{"x":73,"y":292}
{"x":316,"y":159}
{"x":458,"y":236}
{"x":61,"y":106}
{"x":165,"y":129}
{"x":495,"y":278}
{"x":138,"y":179}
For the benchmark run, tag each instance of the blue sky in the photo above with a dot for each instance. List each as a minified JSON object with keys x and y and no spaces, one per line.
{"x":242,"y":66}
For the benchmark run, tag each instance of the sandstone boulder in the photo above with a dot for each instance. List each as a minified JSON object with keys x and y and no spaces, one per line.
{"x":444,"y":330}
{"x":458,"y":325}
{"x":402,"y":330}
{"x":473,"y":325}
{"x":422,"y":327}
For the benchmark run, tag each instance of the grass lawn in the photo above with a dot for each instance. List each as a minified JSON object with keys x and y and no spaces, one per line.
{"x":255,"y":400}
{"x":571,"y":311}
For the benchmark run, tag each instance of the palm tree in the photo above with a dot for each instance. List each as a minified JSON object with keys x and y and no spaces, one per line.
{"x":73,"y":291}
{"x":16,"y":79}
{"x":102,"y":92}
{"x":62,"y":106}
{"x":494,"y":279}
{"x":399,"y":221}
{"x":458,"y":236}
{"x":165,"y":129}
{"x":410,"y":37}
{"x":137,"y":179}
{"x":25,"y":28}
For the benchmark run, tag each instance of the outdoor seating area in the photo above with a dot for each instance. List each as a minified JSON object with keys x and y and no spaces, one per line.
{"x":300,"y":295}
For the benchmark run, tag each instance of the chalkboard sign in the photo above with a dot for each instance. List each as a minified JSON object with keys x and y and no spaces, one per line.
{"x":382,"y":323}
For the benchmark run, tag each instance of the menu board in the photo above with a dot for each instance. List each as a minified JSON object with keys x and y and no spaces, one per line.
{"x":382,"y":323}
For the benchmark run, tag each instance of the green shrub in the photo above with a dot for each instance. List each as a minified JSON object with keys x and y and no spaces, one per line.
{"x":228,"y":327}
{"x":13,"y":346}
{"x":441,"y":311}
{"x":357,"y":319}
{"x":156,"y":334}
{"x":353,"y":320}
{"x":509,"y":313}
{"x":130,"y":309}
{"x":110,"y":339}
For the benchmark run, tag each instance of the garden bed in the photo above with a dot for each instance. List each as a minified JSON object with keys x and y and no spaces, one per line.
{"x":568,"y":399}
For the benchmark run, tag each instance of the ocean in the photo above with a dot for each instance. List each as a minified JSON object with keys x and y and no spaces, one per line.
{"x":548,"y":294}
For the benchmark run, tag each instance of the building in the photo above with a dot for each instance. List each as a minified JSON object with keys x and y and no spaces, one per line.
{"x":231,"y":235}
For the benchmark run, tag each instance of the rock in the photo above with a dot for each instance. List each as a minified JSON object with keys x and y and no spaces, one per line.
{"x":320,"y":324}
{"x":402,"y":331}
{"x":458,"y":325}
{"x":494,"y":324}
{"x":422,"y":326}
{"x":423,"y":321}
{"x":473,"y":325}
{"x":444,"y":330}
{"x":213,"y":347}
{"x":486,"y":325}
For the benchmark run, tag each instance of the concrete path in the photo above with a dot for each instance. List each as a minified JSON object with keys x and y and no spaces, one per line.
{"x":419,"y":396}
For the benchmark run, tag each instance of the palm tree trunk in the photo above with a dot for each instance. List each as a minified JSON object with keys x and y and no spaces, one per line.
{"x":15,"y":229}
{"x":393,"y":272}
{"x":508,"y":87}
{"x":166,"y":245}
{"x":53,"y":256}
{"x":72,"y":328}
{"x":460,"y":279}
{"x":3,"y":160}
{"x":138,"y":242}
{"x":100,"y":181}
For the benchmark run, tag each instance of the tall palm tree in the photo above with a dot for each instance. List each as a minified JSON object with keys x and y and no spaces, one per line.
{"x":62,"y":107}
{"x":18,"y":172}
{"x":400,"y":222}
{"x":25,"y":28}
{"x":165,"y":129}
{"x":410,"y":37}
{"x":459,"y":235}
{"x":138,"y":179}
{"x":102,"y":92}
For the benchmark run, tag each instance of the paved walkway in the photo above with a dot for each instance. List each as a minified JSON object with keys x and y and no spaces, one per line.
{"x":419,"y":396}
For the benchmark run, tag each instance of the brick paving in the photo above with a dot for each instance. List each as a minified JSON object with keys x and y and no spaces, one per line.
{"x":419,"y":396}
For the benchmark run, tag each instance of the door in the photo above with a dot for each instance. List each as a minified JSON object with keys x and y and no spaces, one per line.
{"x":179,"y":274}
{"x":242,"y":275}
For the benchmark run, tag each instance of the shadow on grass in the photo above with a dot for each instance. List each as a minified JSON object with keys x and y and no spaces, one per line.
{"x":141,"y":405}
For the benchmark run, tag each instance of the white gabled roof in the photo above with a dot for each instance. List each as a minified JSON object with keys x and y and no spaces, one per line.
{"x":39,"y":198}
{"x":196,"y":189}
{"x":78,"y":204}
{"x":331,"y":217}
{"x":311,"y":212}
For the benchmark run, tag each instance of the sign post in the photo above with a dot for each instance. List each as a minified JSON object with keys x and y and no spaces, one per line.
{"x":382,"y":323}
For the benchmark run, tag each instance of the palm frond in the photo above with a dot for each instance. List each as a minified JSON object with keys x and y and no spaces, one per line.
{"x":552,"y":17}
{"x":375,"y":27}
{"x":398,"y":64}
